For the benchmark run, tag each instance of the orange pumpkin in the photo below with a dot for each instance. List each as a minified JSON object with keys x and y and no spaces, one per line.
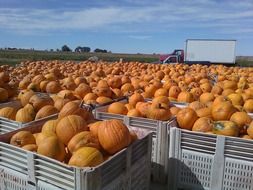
{"x":186,"y":118}
{"x":69,"y":126}
{"x":46,"y":111}
{"x":117,"y":108}
{"x":110,"y":140}
{"x":22,"y":138}
{"x":222,"y":111}
{"x":159,"y":111}
{"x":83,"y":139}
{"x":8,"y":112}
{"x":94,"y":128}
{"x":203,"y":124}
{"x":135,"y":98}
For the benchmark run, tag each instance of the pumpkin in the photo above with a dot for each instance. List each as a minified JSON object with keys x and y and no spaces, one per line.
{"x":40,"y":137}
{"x":196,"y":105}
{"x":216,"y":90}
{"x":49,"y":127}
{"x":135,"y":98}
{"x":204,"y":112}
{"x":24,"y":115}
{"x":3,"y":95}
{"x":250,"y":130}
{"x":174,"y":110}
{"x":103,"y":91}
{"x":226,"y":92}
{"x":25,"y":97}
{"x":72,"y":108}
{"x":185,"y":97}
{"x":248,"y":106}
{"x":143,"y":108}
{"x":52,"y":147}
{"x":53,"y":87}
{"x":159,"y":111}
{"x":94,"y":128}
{"x":86,"y":157}
{"x":103,"y":100}
{"x":236,"y":99}
{"x":241,"y":119}
{"x":222,"y":111}
{"x":90,"y":96}
{"x":60,"y":102}
{"x":129,"y":106}
{"x":69,"y":126}
{"x":186,"y":118}
{"x":8,"y":112}
{"x":117,"y":108}
{"x":203,"y":124}
{"x":134,"y":113}
{"x":206,"y":97}
{"x":161,"y":99}
{"x":38,"y":101}
{"x":127,"y":89}
{"x":30,"y":147}
{"x":67,"y":94}
{"x":174,"y":91}
{"x":113,"y":135}
{"x":83,"y":139}
{"x":227,"y":128}
{"x":46,"y":111}
{"x":82,"y":90}
{"x":161,"y":92}
{"x":22,"y":138}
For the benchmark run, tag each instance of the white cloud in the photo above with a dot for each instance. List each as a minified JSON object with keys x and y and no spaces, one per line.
{"x":225,"y":15}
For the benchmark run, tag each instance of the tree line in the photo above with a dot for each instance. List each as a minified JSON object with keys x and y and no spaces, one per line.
{"x":80,"y":49}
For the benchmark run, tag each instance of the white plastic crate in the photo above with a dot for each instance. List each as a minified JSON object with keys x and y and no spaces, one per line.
{"x":210,"y":162}
{"x":7,"y":125}
{"x":129,"y":169}
{"x":159,"y":138}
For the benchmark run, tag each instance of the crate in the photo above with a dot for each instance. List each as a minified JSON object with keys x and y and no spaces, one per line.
{"x":159,"y":138}
{"x":7,"y":125}
{"x":129,"y":169}
{"x":205,"y":161}
{"x":251,"y":115}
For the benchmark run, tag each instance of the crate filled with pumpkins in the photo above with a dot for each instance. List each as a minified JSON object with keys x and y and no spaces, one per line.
{"x":224,"y":115}
{"x":72,"y":139}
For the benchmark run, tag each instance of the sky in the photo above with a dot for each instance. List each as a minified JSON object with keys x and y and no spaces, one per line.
{"x":125,"y":26}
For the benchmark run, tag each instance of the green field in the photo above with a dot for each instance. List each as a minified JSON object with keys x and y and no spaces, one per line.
{"x":12,"y":57}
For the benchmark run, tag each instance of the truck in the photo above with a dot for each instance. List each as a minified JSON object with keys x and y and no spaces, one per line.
{"x":203,"y":51}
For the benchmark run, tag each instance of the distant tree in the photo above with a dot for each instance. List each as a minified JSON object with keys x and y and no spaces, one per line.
{"x":57,"y":50}
{"x":65,"y":48}
{"x":82,"y":49}
{"x":100,"y":50}
{"x":51,"y":49}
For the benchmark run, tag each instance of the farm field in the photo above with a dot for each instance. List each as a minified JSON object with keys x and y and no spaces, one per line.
{"x":12,"y":57}
{"x":100,"y":114}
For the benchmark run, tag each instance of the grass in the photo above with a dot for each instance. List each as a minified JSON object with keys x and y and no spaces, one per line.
{"x":13,"y":57}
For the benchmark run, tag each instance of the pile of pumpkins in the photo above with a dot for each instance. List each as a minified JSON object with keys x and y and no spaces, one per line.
{"x":75,"y":140}
{"x":221,"y":116}
{"x":98,"y":83}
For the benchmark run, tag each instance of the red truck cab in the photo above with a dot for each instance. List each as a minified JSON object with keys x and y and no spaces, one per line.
{"x":176,"y":57}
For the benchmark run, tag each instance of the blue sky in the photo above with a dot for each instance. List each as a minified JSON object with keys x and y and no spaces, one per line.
{"x":124,"y":26}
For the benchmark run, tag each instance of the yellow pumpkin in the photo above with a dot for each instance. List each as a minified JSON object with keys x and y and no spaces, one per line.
{"x":83,"y":139}
{"x":8,"y":112}
{"x":52,"y":147}
{"x":227,"y":128}
{"x":22,"y":138}
{"x":86,"y":157}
